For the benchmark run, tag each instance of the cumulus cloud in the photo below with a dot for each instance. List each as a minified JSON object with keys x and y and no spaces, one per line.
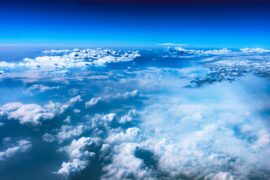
{"x":129,"y":116}
{"x":73,"y":59}
{"x":29,"y":113}
{"x":68,"y":132}
{"x":102,"y":121}
{"x":125,"y":165}
{"x":71,"y":167}
{"x":79,"y":152}
{"x":130,"y":135}
{"x":189,"y":132}
{"x":216,"y":139}
{"x":34,"y":113}
{"x":20,"y":147}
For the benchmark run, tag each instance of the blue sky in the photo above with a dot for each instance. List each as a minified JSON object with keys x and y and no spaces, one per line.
{"x":83,"y":23}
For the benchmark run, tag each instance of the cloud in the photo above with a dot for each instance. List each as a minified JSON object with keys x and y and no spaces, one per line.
{"x":254,"y":50}
{"x":100,"y":121}
{"x":112,"y":59}
{"x":4,"y":64}
{"x":65,"y":133}
{"x":56,"y":51}
{"x":171,"y":44}
{"x":127,"y":94}
{"x":125,"y":165}
{"x":34,"y":113}
{"x":72,"y":59}
{"x":48,"y":137}
{"x":131,"y":134}
{"x":79,"y":148}
{"x":231,"y":69}
{"x":219,"y":176}
{"x":29,"y":113}
{"x":129,"y":116}
{"x":194,"y":136}
{"x":93,"y":102}
{"x":211,"y":132}
{"x":70,"y":103}
{"x":41,"y":88}
{"x":119,"y":96}
{"x":182,"y":52}
{"x":79,"y":152}
{"x":21,"y":147}
{"x":74,"y":166}
{"x":175,"y":51}
{"x":68,"y":132}
{"x":75,"y":100}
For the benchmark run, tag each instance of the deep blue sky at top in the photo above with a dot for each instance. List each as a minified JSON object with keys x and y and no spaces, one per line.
{"x":210,"y":23}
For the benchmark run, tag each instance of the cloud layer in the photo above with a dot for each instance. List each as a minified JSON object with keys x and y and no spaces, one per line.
{"x":165,"y":117}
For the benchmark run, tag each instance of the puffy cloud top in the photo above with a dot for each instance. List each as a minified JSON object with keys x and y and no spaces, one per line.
{"x":29,"y":113}
{"x":73,"y":58}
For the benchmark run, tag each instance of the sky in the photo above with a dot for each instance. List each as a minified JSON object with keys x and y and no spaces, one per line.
{"x":209,"y":23}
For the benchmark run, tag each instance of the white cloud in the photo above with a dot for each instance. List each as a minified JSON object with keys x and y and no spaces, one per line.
{"x":73,"y":59}
{"x":75,"y":100}
{"x":102,"y":120}
{"x":20,"y":147}
{"x":230,"y":69}
{"x":34,"y":113}
{"x":125,"y":95}
{"x":128,"y":94}
{"x":129,"y":116}
{"x":182,"y":52}
{"x":219,"y":176}
{"x":130,"y":135}
{"x":70,"y":103}
{"x":199,"y":135}
{"x":204,"y":133}
{"x":41,"y":88}
{"x":68,"y":132}
{"x":4,"y":64}
{"x":72,"y":167}
{"x":56,"y":51}
{"x":29,"y":113}
{"x":112,"y":59}
{"x":67,"y":120}
{"x":254,"y":50}
{"x":78,"y":148}
{"x":171,"y":44}
{"x":79,"y":152}
{"x":93,"y":101}
{"x":125,"y":165}
{"x":48,"y":137}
